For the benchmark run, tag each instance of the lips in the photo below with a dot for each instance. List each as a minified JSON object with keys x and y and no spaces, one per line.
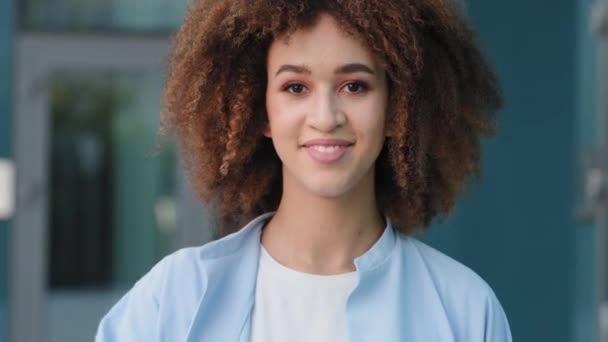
{"x":327,"y":142}
{"x":327,"y":151}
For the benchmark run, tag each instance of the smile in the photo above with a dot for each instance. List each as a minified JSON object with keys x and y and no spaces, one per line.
{"x":326,"y":149}
{"x":326,"y":154}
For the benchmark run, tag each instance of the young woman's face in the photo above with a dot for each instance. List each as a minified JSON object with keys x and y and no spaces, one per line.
{"x":326,"y":101}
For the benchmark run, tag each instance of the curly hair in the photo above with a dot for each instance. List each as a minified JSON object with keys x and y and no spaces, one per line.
{"x":442,"y":97}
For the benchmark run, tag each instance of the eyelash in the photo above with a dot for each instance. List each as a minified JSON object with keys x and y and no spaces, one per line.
{"x":363,"y":86}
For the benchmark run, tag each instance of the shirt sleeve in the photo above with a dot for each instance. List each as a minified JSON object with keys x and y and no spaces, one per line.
{"x":496,"y":324}
{"x":135,"y":316}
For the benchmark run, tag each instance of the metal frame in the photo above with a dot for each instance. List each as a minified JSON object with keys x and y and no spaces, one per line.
{"x":37,"y":56}
{"x":602,"y":222}
{"x":600,"y":212}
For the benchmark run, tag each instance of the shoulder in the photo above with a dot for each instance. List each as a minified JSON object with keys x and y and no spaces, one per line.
{"x":135,"y":316}
{"x":169,"y":294}
{"x":447,"y":273}
{"x":189,"y":266}
{"x":468,"y":301}
{"x":192,"y":263}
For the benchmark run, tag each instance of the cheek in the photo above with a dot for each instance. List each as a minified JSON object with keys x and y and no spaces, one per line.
{"x":283,"y":117}
{"x":273,"y":112}
{"x":370,"y":119}
{"x":281,"y":122}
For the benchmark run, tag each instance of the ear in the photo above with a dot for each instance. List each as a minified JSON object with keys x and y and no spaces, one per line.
{"x":389,"y":125}
{"x":266,"y":131}
{"x":388,"y":131}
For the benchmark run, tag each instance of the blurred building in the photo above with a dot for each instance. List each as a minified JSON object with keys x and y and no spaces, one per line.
{"x":97,"y":203}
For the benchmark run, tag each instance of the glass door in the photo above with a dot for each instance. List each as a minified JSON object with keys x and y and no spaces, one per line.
{"x":98,"y":201}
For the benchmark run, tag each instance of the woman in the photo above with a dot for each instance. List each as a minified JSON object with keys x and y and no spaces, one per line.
{"x":336,"y":129}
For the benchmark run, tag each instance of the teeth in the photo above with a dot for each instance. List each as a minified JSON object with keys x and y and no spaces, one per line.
{"x":326,"y":149}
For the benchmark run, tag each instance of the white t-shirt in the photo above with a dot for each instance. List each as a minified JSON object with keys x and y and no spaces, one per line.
{"x":292,"y":306}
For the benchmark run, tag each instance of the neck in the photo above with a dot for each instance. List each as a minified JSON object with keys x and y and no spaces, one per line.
{"x":322,"y":235}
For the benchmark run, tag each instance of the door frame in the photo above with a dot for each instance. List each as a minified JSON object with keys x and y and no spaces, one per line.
{"x":599,"y":21}
{"x":601,"y":237}
{"x":37,"y":57}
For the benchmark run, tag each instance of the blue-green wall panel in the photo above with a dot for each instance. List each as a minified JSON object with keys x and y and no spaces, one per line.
{"x":516,"y":228}
{"x":6,"y":48}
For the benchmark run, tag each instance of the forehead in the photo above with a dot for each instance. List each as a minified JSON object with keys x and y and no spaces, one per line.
{"x":325,"y":41}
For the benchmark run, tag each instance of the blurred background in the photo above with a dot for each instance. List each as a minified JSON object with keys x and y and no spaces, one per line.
{"x":88,"y":204}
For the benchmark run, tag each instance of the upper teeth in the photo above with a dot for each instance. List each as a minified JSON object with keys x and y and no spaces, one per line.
{"x":326,"y":149}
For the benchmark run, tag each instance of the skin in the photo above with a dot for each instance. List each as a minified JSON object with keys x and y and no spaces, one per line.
{"x":324,"y":84}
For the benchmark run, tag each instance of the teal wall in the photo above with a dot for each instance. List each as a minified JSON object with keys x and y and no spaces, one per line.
{"x":516,"y":229}
{"x":6,"y":41}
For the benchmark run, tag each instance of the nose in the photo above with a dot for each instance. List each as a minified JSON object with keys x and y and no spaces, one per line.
{"x":326,"y":114}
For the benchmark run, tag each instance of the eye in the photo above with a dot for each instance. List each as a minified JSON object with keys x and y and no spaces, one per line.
{"x":294,"y":88}
{"x":356,"y":87}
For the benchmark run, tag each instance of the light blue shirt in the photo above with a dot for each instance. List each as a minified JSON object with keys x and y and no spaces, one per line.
{"x":406,"y":291}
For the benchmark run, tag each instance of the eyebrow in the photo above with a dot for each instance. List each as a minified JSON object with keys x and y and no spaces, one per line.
{"x":354,"y":67}
{"x":298,"y":69}
{"x":344,"y":69}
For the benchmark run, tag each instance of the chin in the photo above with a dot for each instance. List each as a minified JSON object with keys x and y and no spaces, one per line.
{"x":330,"y":189}
{"x":327,"y":184}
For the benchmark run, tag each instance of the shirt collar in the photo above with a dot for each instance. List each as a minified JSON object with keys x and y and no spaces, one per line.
{"x":379,"y":252}
{"x":250,"y":234}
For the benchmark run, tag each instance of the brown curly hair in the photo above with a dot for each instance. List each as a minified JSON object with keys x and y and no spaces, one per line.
{"x":442,"y":96}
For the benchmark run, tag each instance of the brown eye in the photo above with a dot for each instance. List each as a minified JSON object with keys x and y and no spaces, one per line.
{"x":356,"y":87}
{"x":295,"y":88}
